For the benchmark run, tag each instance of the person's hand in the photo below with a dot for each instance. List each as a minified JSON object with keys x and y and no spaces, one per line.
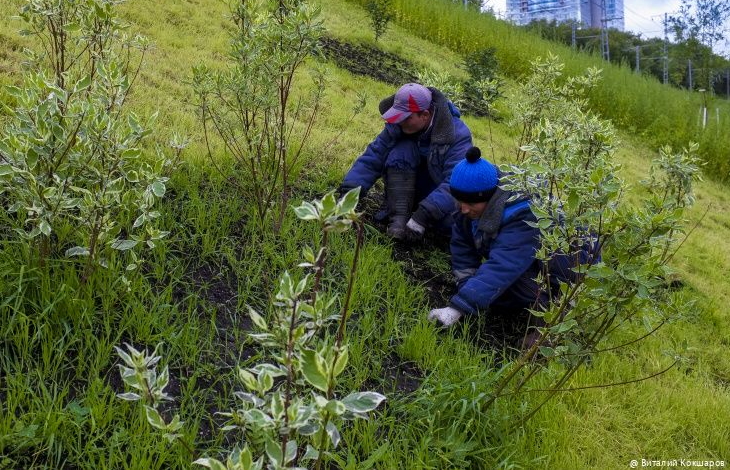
{"x":446,"y":316}
{"x":414,"y":230}
{"x":342,"y":190}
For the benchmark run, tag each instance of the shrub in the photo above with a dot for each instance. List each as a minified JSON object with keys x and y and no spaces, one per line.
{"x":72,"y":173}
{"x":380,"y":12}
{"x":250,"y":107}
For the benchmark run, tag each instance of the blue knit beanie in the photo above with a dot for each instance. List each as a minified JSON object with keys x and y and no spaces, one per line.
{"x":473,"y":179}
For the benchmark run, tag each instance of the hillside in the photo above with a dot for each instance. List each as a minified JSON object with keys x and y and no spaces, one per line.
{"x":58,"y":370}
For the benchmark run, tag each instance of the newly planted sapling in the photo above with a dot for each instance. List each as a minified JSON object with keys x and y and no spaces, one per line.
{"x":71,"y":163}
{"x":139,"y":372}
{"x":380,"y":12}
{"x":302,"y":411}
{"x":252,"y":108}
{"x":614,"y":256}
{"x":289,"y":412}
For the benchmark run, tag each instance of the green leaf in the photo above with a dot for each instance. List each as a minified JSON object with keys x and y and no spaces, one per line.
{"x":362,"y":402}
{"x":310,"y":454}
{"x":341,"y":362}
{"x":259,"y":419}
{"x":83,"y":84}
{"x":291,"y":451}
{"x":247,"y":379}
{"x":333,"y":433}
{"x":132,"y":176}
{"x":273,"y":450}
{"x":286,"y":287}
{"x":158,"y":188}
{"x":45,"y":228}
{"x":154,"y":418}
{"x":277,"y":405}
{"x":257,"y":319}
{"x":546,"y":351}
{"x":329,"y":204}
{"x":306,"y":211}
{"x":246,"y":458}
{"x":129,"y":396}
{"x":6,"y":169}
{"x":266,"y":382}
{"x":336,"y":407}
{"x":349,"y":201}
{"x":175,"y":424}
{"x":124,"y":245}
{"x":77,"y":251}
{"x":139,"y":220}
{"x":49,"y":192}
{"x":213,"y":464}
{"x":563,"y":327}
{"x":313,"y":369}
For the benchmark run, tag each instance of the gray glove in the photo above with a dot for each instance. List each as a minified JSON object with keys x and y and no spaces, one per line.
{"x":414,"y":230}
{"x":446,"y":316}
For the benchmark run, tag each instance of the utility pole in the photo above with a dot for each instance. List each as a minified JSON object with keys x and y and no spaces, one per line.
{"x":689,"y":62}
{"x":604,"y":32}
{"x":637,"y":70}
{"x":572,"y":34}
{"x":665,"y":72}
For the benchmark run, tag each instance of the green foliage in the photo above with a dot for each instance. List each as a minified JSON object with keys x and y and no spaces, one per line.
{"x":381,"y":13}
{"x":70,"y":157}
{"x":251,"y":106}
{"x":452,"y":88}
{"x":289,"y":403}
{"x":620,"y":253}
{"x":699,"y":26}
{"x":482,"y":88}
{"x":139,"y":372}
{"x":477,"y":94}
{"x":58,"y":380}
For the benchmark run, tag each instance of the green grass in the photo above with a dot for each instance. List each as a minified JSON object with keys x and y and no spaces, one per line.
{"x":57,"y":376}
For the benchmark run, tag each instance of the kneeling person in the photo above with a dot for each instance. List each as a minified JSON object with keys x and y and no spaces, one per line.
{"x":492,"y":247}
{"x":422,"y":140}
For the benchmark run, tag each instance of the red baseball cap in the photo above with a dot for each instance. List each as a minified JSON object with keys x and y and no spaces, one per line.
{"x":410,"y":98}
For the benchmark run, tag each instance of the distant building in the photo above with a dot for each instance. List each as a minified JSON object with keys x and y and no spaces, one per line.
{"x":591,"y":16}
{"x":587,"y":12}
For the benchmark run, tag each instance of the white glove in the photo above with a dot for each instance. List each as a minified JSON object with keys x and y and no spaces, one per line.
{"x":416,"y":227}
{"x":446,"y":316}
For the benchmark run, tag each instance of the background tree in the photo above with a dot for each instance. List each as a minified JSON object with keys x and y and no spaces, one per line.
{"x":700,"y":26}
{"x":380,"y":12}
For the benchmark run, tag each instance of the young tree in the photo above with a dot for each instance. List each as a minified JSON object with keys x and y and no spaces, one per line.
{"x":73,"y":175}
{"x":700,"y":24}
{"x":381,"y":13}
{"x":252,"y":107}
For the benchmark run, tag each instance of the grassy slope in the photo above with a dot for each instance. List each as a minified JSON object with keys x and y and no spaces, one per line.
{"x":674,"y":416}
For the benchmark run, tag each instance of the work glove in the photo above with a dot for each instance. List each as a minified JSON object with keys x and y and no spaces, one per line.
{"x":446,"y":316}
{"x":342,"y":190}
{"x":414,"y":231}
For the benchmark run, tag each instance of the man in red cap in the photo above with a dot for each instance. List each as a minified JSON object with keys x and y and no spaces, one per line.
{"x":422,"y":141}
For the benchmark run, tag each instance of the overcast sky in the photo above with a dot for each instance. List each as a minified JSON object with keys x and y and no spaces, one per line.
{"x":640,"y":16}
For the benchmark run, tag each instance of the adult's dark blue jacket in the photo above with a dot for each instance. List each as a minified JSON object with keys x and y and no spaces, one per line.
{"x":495,"y":255}
{"x":443,"y":145}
